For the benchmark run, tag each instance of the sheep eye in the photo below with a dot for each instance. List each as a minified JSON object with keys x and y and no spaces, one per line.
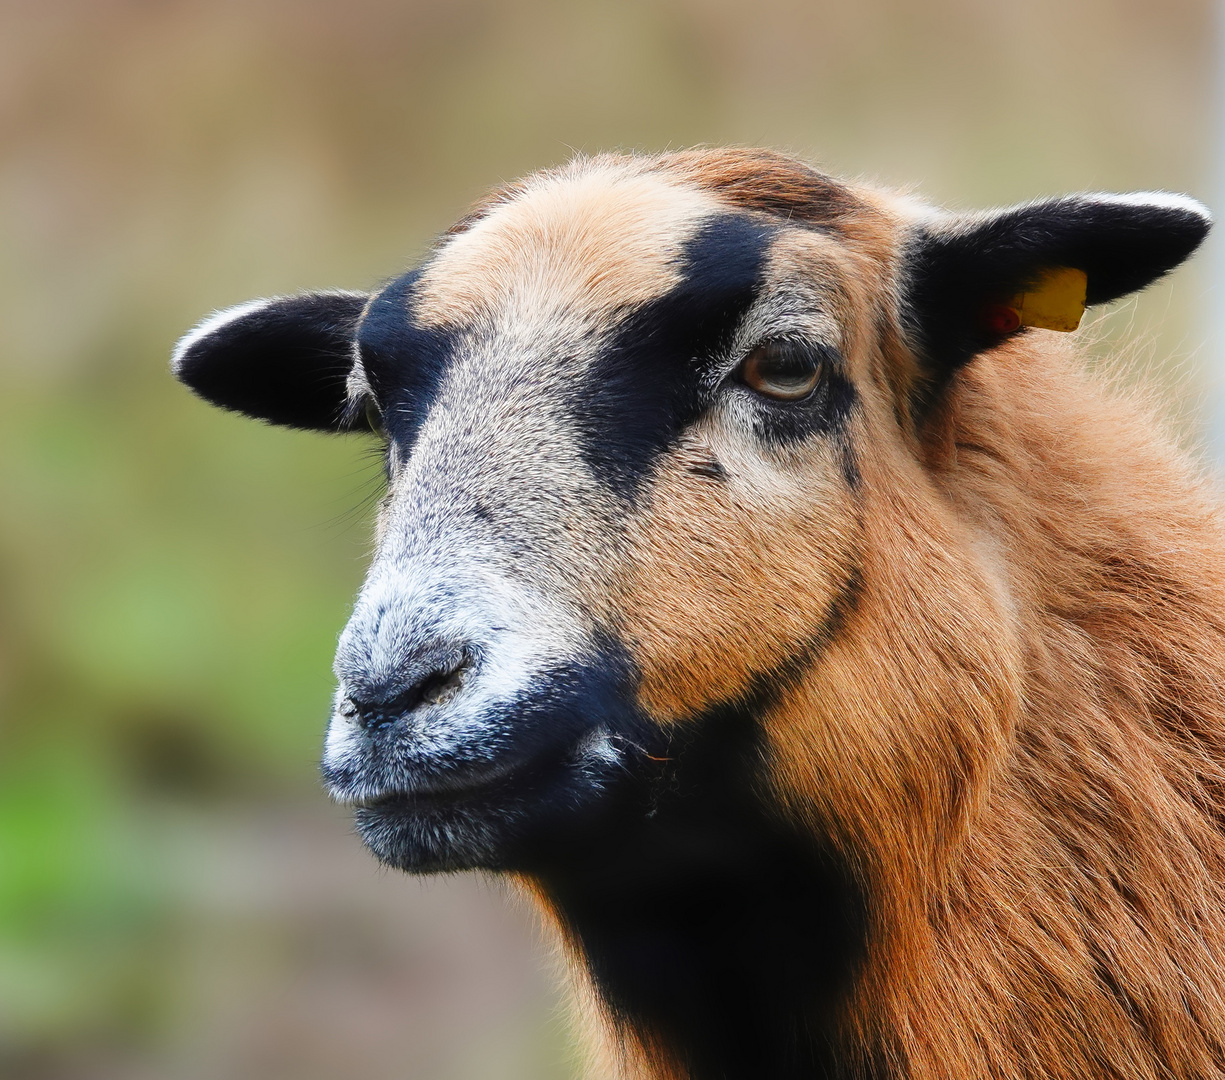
{"x":375,"y":419}
{"x":781,"y":370}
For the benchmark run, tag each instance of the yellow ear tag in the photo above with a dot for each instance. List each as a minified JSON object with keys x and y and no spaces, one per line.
{"x":1056,"y":301}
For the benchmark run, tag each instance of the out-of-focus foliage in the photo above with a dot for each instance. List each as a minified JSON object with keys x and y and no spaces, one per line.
{"x":172,"y":579}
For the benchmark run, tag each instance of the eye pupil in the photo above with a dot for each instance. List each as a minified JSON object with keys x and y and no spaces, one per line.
{"x":781,"y":370}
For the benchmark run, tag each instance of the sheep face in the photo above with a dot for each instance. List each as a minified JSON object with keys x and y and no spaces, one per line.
{"x":645,"y":421}
{"x":595,"y":526}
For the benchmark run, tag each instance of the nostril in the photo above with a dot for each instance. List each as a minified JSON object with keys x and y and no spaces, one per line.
{"x":435,"y":685}
{"x":374,"y":715}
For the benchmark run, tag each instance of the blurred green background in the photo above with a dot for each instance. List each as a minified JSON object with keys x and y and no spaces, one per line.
{"x":177,"y":898}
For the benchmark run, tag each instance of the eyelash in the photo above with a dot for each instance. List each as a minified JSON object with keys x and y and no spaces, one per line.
{"x":782,"y":370}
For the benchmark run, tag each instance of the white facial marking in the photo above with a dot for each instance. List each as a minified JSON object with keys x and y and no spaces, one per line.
{"x":597,"y":747}
{"x":515,"y":635}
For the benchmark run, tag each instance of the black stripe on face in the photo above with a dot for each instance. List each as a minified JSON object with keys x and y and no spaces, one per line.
{"x":404,"y":363}
{"x":647,"y":384}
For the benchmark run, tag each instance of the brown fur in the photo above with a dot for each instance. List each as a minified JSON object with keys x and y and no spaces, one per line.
{"x":1016,"y":735}
{"x":926,"y":771}
{"x":587,"y":240}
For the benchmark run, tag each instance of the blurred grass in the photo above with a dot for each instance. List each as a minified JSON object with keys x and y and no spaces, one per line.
{"x":172,"y":579}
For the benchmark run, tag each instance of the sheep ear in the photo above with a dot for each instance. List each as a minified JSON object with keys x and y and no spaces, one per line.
{"x":968,"y":282}
{"x":286,"y":360}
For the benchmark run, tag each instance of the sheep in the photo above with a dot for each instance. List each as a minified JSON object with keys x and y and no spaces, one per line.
{"x":763,"y":583}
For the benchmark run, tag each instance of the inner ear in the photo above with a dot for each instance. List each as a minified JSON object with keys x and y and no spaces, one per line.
{"x":967,"y":280}
{"x":286,"y":360}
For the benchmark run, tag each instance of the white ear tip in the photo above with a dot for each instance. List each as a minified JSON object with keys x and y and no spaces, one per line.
{"x":210,"y":325}
{"x":1162,"y":200}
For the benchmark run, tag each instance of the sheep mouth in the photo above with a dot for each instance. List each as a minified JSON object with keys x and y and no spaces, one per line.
{"x":444,"y":789}
{"x":487,"y":786}
{"x":493,"y":819}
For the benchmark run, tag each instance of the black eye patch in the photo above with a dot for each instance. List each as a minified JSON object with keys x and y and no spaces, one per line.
{"x":647,"y":386}
{"x":404,"y":363}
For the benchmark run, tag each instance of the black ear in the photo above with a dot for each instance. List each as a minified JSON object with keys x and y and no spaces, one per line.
{"x":286,"y":360}
{"x":964,"y":277}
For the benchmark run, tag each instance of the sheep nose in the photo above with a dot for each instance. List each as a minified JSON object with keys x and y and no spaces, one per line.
{"x":431,"y":680}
